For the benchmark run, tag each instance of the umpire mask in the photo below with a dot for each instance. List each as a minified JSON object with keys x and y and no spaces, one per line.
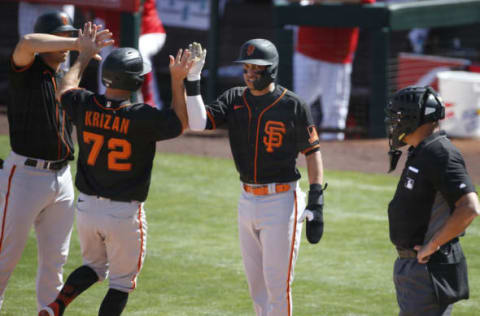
{"x":263,"y":53}
{"x":406,"y":110}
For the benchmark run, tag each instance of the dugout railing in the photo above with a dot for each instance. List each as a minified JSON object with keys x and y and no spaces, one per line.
{"x":380,"y":20}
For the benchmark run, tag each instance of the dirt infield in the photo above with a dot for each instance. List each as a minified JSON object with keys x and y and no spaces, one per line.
{"x":353,"y":155}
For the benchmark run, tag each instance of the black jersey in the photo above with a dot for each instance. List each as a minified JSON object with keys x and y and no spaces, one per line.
{"x":38,"y":125}
{"x":433,"y":180}
{"x":266,"y":132}
{"x":117,"y":143}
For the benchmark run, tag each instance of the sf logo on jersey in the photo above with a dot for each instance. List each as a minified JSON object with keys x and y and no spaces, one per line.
{"x":274,"y":138}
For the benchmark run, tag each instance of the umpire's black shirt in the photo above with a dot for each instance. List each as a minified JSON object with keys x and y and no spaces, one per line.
{"x":38,"y":125}
{"x":433,"y":180}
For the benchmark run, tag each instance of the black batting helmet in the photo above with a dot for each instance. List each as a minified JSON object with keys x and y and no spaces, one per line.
{"x":124,"y":69}
{"x":410,"y":108}
{"x":260,"y":52}
{"x":54,"y":22}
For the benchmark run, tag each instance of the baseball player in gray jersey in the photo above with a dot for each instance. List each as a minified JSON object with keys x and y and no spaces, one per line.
{"x":268,"y":127}
{"x":116,"y":151}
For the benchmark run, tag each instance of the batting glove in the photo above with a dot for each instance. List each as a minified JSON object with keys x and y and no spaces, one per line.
{"x":314,"y":213}
{"x":198,"y":56}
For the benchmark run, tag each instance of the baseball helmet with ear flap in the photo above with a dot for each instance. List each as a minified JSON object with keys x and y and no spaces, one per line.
{"x":124,"y":68}
{"x":408,"y":109}
{"x":260,"y":52}
{"x":54,"y":22}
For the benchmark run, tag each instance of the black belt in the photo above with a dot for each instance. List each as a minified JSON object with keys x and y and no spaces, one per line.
{"x":42,"y":164}
{"x":407,"y":253}
{"x":410,"y":253}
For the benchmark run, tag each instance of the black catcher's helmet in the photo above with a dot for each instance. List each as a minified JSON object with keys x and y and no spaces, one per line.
{"x":54,"y":22}
{"x":124,"y":69}
{"x":408,"y":109}
{"x":263,"y":53}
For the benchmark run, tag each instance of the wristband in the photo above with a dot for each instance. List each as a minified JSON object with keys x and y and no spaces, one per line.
{"x":192,"y":87}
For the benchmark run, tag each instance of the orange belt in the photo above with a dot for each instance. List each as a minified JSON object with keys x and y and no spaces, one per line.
{"x":263,"y":189}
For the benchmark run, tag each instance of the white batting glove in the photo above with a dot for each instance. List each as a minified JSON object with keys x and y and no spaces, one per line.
{"x":198,"y":56}
{"x":306,"y":214}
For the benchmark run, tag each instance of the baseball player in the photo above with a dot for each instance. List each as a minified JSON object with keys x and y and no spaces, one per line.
{"x":434,"y":203}
{"x":268,"y":126}
{"x":117,"y":146}
{"x":323,"y":66}
{"x":35,"y":184}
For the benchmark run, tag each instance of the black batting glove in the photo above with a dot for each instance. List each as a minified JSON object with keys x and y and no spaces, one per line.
{"x":315,"y":206}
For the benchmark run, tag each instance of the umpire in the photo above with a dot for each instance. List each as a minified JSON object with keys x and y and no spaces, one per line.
{"x":434,"y":203}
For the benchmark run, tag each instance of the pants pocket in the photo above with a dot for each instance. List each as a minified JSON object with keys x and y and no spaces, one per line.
{"x":450,"y":276}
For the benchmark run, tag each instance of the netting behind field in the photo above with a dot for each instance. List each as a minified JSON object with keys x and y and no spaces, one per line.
{"x":415,"y":58}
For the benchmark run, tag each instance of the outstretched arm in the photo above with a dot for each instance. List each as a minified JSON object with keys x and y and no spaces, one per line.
{"x":197,"y":115}
{"x":30,"y":44}
{"x":179,"y":67}
{"x":90,"y":42}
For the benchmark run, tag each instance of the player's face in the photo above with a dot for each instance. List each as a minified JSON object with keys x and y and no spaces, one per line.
{"x":251,"y":73}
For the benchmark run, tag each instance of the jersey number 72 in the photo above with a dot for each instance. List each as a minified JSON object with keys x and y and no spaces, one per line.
{"x":118,"y":149}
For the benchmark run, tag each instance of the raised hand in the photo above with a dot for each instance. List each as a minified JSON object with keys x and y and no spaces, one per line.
{"x":180,"y":65}
{"x":198,"y":57}
{"x":90,"y":40}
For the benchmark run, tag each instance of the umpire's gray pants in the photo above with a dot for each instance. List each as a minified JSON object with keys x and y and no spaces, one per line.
{"x":415,"y":293}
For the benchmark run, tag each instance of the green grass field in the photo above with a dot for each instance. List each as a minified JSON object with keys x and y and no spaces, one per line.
{"x":193,"y":264}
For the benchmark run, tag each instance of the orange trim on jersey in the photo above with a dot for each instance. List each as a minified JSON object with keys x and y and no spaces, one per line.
{"x":310,"y":148}
{"x":5,"y":208}
{"x":248,"y":107}
{"x":60,"y":132}
{"x":258,"y":133}
{"x":20,"y":69}
{"x":58,"y":121}
{"x":210,"y":117}
{"x":142,"y":243}
{"x":109,"y":109}
{"x":63,"y":135}
{"x":292,"y":249}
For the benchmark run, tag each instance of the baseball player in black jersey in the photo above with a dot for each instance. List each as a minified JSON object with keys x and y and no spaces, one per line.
{"x":117,"y":147}
{"x":35,"y":184}
{"x":268,"y":127}
{"x":434,"y":203}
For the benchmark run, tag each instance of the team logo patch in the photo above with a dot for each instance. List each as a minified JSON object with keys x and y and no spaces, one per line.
{"x":250,"y":50}
{"x":274,"y":138}
{"x":409,"y":183}
{"x":64,"y":19}
{"x":312,"y":131}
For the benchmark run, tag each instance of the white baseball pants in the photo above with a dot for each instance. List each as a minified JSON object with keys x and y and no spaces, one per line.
{"x":270,"y":236}
{"x":113,"y":239}
{"x":42,"y":199}
{"x":331,"y":83}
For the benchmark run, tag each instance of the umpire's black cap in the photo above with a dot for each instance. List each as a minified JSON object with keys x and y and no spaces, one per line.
{"x":54,"y":22}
